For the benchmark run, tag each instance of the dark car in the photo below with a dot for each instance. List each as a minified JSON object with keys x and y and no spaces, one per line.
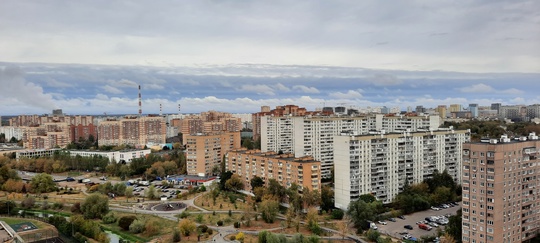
{"x":409,"y":227}
{"x":70,"y":179}
{"x":401,"y":217}
{"x":392,"y":219}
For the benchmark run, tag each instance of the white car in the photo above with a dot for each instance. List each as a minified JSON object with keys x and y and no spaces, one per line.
{"x":382,"y":222}
{"x":373,"y":226}
{"x":435,"y":208}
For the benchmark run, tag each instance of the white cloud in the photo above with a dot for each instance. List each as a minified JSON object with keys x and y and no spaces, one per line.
{"x":57,"y":84}
{"x":125,"y":83}
{"x":477,"y":88}
{"x":258,"y":89}
{"x":383,"y":79}
{"x":112,"y":90}
{"x":282,"y":87}
{"x":512,"y":91}
{"x":351,"y":94}
{"x":153,"y":86}
{"x":306,"y":89}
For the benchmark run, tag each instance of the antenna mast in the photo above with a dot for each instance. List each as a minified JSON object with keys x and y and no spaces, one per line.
{"x":140,"y":102}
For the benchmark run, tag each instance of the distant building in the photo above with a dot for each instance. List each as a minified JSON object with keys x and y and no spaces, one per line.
{"x":284,"y":168}
{"x":12,"y":132}
{"x":124,"y":156}
{"x":441,"y":109}
{"x":204,"y":152}
{"x":135,"y":131}
{"x":455,"y":108}
{"x":381,"y":164}
{"x":473,"y":108}
{"x":496,"y":106}
{"x":211,"y":122}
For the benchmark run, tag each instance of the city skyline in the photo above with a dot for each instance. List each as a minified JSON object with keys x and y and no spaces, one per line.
{"x":237,"y":56}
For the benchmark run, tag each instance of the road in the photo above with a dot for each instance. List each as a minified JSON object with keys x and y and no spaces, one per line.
{"x":394,"y":228}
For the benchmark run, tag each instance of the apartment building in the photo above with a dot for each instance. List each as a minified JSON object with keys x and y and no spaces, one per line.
{"x":279,"y":111}
{"x":284,"y":168}
{"x":381,"y":164}
{"x":12,"y":132}
{"x":313,"y":135}
{"x":500,"y":200}
{"x":205,"y":151}
{"x":211,"y":122}
{"x":134,"y":131}
{"x":46,"y":136}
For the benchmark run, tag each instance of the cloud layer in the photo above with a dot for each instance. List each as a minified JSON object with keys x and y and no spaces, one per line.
{"x":95,"y":89}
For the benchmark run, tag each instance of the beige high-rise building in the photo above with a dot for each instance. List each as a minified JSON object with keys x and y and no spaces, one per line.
{"x":211,"y":122}
{"x":47,"y":135}
{"x":500,"y":200}
{"x":284,"y":168}
{"x":204,"y":152}
{"x":442,"y":111}
{"x":455,"y":108}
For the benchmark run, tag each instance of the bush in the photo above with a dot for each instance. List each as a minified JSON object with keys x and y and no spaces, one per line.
{"x":176,"y":236}
{"x":76,"y":208}
{"x":28,"y":202}
{"x":45,"y":205}
{"x":184,"y":215}
{"x":240,"y":237}
{"x":237,"y":224}
{"x":232,"y":237}
{"x":137,"y":226}
{"x":209,"y":231}
{"x":109,"y":218}
{"x":151,"y":228}
{"x":220,"y":223}
{"x":202,"y":228}
{"x":337,"y":214}
{"x":126,"y":221}
{"x":199,"y":218}
{"x":58,"y":205}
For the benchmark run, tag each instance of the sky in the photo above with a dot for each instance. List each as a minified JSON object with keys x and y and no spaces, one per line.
{"x":89,"y":56}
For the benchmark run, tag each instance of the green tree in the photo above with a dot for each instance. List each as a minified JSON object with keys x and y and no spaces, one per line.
{"x":95,"y":206}
{"x":368,"y":198}
{"x":256,"y":182}
{"x":269,"y":210}
{"x":453,"y":227}
{"x":43,"y":183}
{"x":151,"y":192}
{"x":235,"y":183}
{"x":360,"y":213}
{"x":225,"y":176}
{"x":327,"y":198}
{"x":311,"y":198}
{"x":129,"y":193}
{"x":373,"y":235}
{"x":276,"y":189}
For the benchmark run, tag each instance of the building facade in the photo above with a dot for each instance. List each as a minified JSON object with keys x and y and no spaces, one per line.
{"x":381,"y":164}
{"x":500,"y":200}
{"x":313,"y":135}
{"x":284,"y":168}
{"x":205,"y":152}
{"x":134,"y":131}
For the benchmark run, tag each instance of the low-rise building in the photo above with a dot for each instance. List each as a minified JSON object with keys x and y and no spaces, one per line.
{"x":284,"y":168}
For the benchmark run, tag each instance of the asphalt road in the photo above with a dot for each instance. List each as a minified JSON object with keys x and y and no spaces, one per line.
{"x":394,"y":228}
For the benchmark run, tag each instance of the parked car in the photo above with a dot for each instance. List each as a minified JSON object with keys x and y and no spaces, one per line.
{"x":425,"y":227}
{"x":381,"y":222}
{"x":401,"y":217}
{"x":409,"y":227}
{"x":70,"y":179}
{"x":373,"y":226}
{"x":433,"y":224}
{"x":435,"y":208}
{"x":392,"y":219}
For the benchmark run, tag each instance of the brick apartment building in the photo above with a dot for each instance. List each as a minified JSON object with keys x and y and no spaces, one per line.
{"x":284,"y":168}
{"x":204,"y":152}
{"x":500,"y":200}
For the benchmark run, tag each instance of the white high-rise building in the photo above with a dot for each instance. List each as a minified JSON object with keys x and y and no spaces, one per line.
{"x":381,"y":164}
{"x":314,"y":136}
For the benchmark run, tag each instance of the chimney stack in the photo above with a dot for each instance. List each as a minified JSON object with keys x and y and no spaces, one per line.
{"x":140,"y":102}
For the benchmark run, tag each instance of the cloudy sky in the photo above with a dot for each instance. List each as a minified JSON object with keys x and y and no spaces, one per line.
{"x":87,"y":57}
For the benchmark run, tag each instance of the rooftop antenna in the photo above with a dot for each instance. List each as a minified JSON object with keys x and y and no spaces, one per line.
{"x":160,"y":110}
{"x":140,"y":102}
{"x":179,"y":106}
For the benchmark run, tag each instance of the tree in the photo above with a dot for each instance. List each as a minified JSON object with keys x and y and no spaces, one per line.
{"x":343,"y":227}
{"x":360,"y":213}
{"x":327,"y":198}
{"x":269,"y":210}
{"x":186,"y":227}
{"x":125,"y":221}
{"x":225,"y":176}
{"x":312,"y":221}
{"x":43,"y":183}
{"x":453,"y":228}
{"x":248,"y":210}
{"x":276,"y":189}
{"x":235,"y":183}
{"x":311,"y":198}
{"x":95,"y":206}
{"x":373,"y":235}
{"x":128,"y":193}
{"x":151,"y":192}
{"x":368,"y":198}
{"x":256,"y":182}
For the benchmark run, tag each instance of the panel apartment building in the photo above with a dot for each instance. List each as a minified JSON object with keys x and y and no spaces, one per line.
{"x":284,"y":168}
{"x":314,"y":135}
{"x":134,"y":131}
{"x":381,"y":164}
{"x":205,"y":151}
{"x":211,"y":122}
{"x":500,"y":200}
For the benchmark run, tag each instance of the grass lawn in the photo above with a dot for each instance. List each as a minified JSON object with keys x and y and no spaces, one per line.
{"x":210,"y":219}
{"x":162,"y":226}
{"x":223,"y":203}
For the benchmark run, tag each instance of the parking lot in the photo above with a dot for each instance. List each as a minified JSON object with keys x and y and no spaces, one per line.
{"x":395,"y":228}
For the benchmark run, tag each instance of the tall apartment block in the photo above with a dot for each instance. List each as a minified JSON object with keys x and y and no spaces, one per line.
{"x":280,"y":111}
{"x":135,"y":131}
{"x":211,"y":122}
{"x":204,"y":152}
{"x":47,"y":135}
{"x":381,"y":164}
{"x":284,"y":168}
{"x":314,"y":135}
{"x":500,"y":200}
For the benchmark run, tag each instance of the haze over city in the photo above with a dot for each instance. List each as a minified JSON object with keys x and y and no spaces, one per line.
{"x":88,"y":57}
